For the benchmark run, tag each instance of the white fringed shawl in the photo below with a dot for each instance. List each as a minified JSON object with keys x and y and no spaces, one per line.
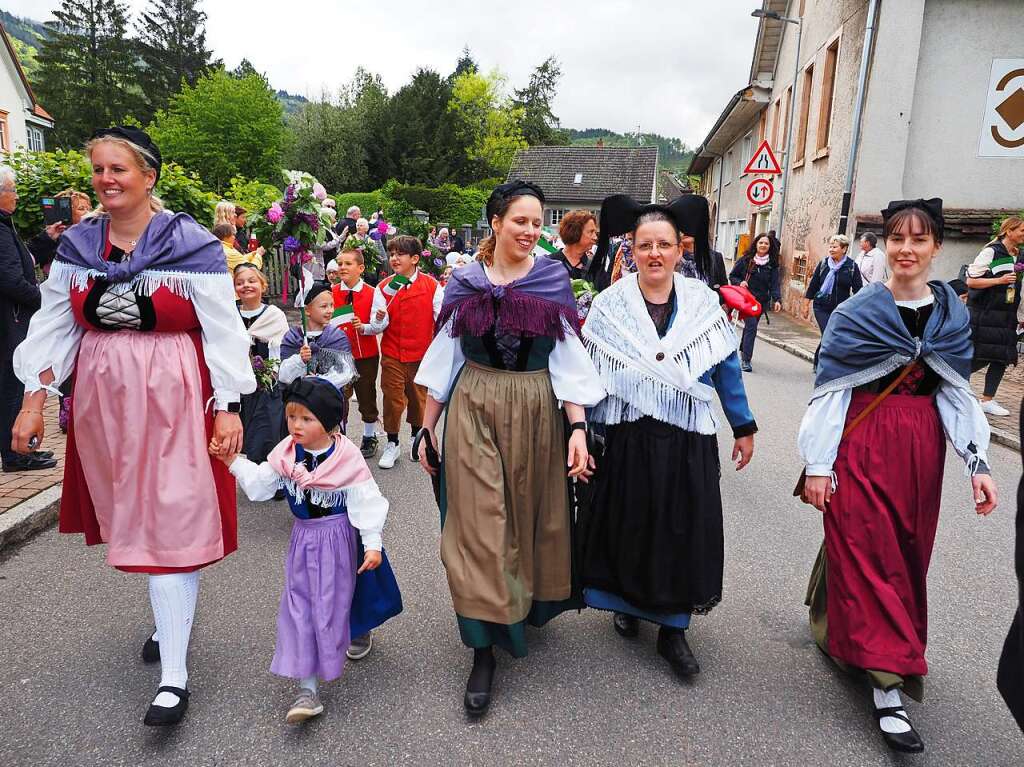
{"x":624,"y":345}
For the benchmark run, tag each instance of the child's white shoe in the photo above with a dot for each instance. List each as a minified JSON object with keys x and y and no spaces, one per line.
{"x":389,"y":456}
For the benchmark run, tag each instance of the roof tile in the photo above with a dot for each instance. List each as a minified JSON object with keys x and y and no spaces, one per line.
{"x":605,"y":171}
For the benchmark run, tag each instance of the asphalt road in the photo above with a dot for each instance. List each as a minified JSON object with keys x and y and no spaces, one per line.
{"x":73,"y":689}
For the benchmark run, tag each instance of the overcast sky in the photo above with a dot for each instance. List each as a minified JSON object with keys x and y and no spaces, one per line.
{"x":669,"y":66}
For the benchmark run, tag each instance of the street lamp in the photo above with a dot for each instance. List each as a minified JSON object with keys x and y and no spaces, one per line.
{"x":760,"y":13}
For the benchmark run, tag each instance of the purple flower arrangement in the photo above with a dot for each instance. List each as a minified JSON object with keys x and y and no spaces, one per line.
{"x":265,"y":372}
{"x":296,"y":223}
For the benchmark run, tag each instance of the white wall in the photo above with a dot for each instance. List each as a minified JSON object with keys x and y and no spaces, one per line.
{"x":13,"y":100}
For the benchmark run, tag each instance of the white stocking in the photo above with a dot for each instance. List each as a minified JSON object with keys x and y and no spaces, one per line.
{"x":890,"y":699}
{"x":173,"y":597}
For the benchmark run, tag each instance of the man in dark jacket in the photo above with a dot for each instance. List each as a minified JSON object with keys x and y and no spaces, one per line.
{"x":19,"y":299}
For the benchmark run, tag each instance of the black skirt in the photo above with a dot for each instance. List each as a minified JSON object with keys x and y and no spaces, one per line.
{"x":653,"y":532}
{"x":263,"y":423}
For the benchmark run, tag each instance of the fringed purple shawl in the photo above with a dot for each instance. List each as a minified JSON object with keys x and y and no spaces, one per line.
{"x":171,"y":242}
{"x":330,"y":339}
{"x":539,"y":304}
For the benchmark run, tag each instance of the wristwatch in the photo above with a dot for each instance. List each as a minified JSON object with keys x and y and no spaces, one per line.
{"x":233,"y":407}
{"x":579,"y":425}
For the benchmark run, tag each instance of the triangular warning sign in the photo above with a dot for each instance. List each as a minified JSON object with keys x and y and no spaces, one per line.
{"x":763,"y":161}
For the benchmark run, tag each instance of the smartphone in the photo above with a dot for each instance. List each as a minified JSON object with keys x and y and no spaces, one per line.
{"x":56,"y":209}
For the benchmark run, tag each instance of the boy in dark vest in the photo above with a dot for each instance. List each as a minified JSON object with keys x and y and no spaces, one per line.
{"x":353,"y":301}
{"x":405,"y":307}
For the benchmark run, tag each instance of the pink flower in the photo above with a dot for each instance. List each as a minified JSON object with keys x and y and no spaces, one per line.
{"x":275,"y":214}
{"x":319,"y":192}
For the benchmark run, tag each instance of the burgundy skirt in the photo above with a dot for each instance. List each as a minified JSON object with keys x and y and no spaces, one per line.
{"x":879,"y":533}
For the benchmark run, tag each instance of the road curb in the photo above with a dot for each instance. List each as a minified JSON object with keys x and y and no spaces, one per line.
{"x":999,"y":436}
{"x":29,"y":517}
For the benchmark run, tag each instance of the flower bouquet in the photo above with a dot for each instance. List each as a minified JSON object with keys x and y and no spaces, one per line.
{"x":432,"y":261}
{"x":297,"y":222}
{"x":265,"y":371}
{"x":371,"y":255}
{"x":584,"y":293}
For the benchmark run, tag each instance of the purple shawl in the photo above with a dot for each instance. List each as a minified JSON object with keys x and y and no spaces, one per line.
{"x":171,"y":242}
{"x":331,"y":339}
{"x":539,"y":304}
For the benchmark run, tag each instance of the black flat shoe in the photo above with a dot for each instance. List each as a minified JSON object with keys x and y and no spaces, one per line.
{"x":150,"y":650}
{"x":627,"y":626}
{"x":161,"y":716}
{"x":368,"y":447}
{"x":478,"y":689}
{"x":29,"y":463}
{"x":44,"y":455}
{"x":673,"y":647}
{"x":906,"y":742}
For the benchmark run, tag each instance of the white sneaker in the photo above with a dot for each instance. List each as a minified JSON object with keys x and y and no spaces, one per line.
{"x":994,"y":408}
{"x":389,"y":456}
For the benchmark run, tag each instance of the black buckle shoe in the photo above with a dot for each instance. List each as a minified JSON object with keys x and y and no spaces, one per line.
{"x":627,"y":626}
{"x":162,"y":716}
{"x":673,"y":647}
{"x":906,"y":742}
{"x":368,"y":447}
{"x":478,"y":689}
{"x":29,"y":463}
{"x":150,"y":650}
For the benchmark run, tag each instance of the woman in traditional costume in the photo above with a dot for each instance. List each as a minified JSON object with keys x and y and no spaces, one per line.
{"x":652,"y":541}
{"x":262,"y":411}
{"x":140,"y":306}
{"x":505,"y":359}
{"x":898,"y":353}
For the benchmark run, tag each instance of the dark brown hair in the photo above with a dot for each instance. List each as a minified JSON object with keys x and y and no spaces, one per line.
{"x":916,"y":220}
{"x":223,"y":231}
{"x":405,"y":245}
{"x":572,"y":225}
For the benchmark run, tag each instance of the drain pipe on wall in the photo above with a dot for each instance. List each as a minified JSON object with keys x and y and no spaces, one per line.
{"x":858,"y":109}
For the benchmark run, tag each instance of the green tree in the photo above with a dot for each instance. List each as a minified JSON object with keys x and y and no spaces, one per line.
{"x":88,"y":71}
{"x":172,"y":46}
{"x":424,"y":144}
{"x":539,"y":125}
{"x":326,"y":142}
{"x":222,"y":127}
{"x":488,"y":123}
{"x":466,"y":63}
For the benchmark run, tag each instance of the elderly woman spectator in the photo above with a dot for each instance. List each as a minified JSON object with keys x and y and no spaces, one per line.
{"x":19,"y":299}
{"x":578,"y":230}
{"x":443,"y":242}
{"x":835,"y":279}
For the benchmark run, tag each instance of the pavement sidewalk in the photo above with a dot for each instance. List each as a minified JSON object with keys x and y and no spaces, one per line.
{"x":801,"y":340}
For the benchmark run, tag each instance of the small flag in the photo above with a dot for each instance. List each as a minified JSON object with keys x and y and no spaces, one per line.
{"x":544,"y":248}
{"x":343,"y":315}
{"x":396,"y":284}
{"x":1002,"y":265}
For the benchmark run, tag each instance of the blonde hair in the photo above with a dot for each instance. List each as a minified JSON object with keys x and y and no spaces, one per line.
{"x":142,"y":160}
{"x":1010,"y":223}
{"x":74,"y":194}
{"x":842,"y":239}
{"x":259,"y":274}
{"x":224,"y":213}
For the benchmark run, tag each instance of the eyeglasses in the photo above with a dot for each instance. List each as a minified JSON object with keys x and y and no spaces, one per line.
{"x":647,"y":248}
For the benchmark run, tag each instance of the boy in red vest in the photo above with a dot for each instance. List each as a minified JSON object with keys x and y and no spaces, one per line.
{"x":353,"y":300}
{"x":405,"y":307}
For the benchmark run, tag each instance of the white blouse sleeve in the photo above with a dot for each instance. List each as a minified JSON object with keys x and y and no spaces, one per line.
{"x":259,"y":482}
{"x":441,"y":364}
{"x":52,"y":341}
{"x":573,"y":375}
{"x":225,"y":343}
{"x":822,"y":430}
{"x":438,"y":300}
{"x":964,"y":423}
{"x":367,"y":511}
{"x":290,"y":369}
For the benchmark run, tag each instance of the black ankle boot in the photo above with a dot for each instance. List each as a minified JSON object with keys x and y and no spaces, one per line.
{"x":672,"y":646}
{"x":478,"y":688}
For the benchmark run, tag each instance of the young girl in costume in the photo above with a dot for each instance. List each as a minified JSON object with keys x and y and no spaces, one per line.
{"x":879,"y":480}
{"x":507,"y":361}
{"x":262,"y":411}
{"x":332,"y":494}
